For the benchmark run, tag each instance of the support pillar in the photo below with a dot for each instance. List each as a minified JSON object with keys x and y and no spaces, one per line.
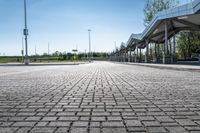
{"x":136,"y":55}
{"x":150,"y":57}
{"x":156,"y":54}
{"x":124,"y":57}
{"x":147,"y":52}
{"x":165,"y":44}
{"x":199,"y":58}
{"x":171,"y":52}
{"x":129,"y":59}
{"x":120,"y":57}
{"x":140,"y":55}
{"x":174,"y":49}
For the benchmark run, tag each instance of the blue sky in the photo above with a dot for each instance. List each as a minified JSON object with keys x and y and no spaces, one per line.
{"x":64,"y":24}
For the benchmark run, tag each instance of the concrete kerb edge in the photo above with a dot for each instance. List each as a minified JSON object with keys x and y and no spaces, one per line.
{"x":160,"y":67}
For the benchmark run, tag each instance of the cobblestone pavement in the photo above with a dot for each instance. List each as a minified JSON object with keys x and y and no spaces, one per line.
{"x":101,"y":97}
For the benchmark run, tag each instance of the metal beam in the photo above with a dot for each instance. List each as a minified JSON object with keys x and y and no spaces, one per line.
{"x":187,"y":23}
{"x":151,"y":36}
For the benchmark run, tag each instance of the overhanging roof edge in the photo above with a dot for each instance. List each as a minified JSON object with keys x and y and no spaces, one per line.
{"x":184,"y":10}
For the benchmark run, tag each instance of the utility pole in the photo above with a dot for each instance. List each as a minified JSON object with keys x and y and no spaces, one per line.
{"x":26,"y":35}
{"x":115,"y":50}
{"x":48,"y":51}
{"x":35,"y":50}
{"x":22,"y":50}
{"x":89,"y":54}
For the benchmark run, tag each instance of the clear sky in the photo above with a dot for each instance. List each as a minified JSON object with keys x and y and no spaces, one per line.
{"x":65,"y":23}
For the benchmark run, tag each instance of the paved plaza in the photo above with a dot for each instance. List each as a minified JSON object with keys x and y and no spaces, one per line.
{"x":100,"y":97}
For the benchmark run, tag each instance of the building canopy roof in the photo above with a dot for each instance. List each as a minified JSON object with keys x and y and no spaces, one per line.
{"x":185,"y":17}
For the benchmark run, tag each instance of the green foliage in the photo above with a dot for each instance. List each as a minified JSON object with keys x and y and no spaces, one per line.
{"x":154,"y":6}
{"x":188,"y":44}
{"x":56,"y":57}
{"x":5,"y":59}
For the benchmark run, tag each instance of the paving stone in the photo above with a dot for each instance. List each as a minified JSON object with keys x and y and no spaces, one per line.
{"x":41,"y":124}
{"x":94,"y":124}
{"x":34,"y":118}
{"x":151,"y":123}
{"x":114,"y":118}
{"x":164,"y":119}
{"x":185,"y":122}
{"x":193,"y":128}
{"x":62,"y":130}
{"x":24,"y":130}
{"x":114,"y":130}
{"x":59,"y":124}
{"x":78,"y":130}
{"x":80,"y":124}
{"x":68,"y":118}
{"x":112,"y":124}
{"x":98,"y":119}
{"x":43,"y":130}
{"x":6,"y":124}
{"x":156,"y":130}
{"x":23,"y":124}
{"x":95,"y":130}
{"x":137,"y":129}
{"x":49,"y":118}
{"x":176,"y":129}
{"x":98,"y":97}
{"x":133,"y":123}
{"x":7,"y":129}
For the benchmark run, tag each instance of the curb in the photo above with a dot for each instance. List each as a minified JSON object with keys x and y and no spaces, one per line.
{"x":161,"y":67}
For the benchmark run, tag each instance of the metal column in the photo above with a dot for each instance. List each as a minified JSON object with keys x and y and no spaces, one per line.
{"x":174,"y":48}
{"x":166,"y":43}
{"x":129,"y":59}
{"x":140,"y":55}
{"x":147,"y":51}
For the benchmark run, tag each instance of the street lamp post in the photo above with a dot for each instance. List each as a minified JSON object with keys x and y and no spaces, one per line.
{"x":22,"y":50}
{"x":89,"y":54}
{"x":26,"y":35}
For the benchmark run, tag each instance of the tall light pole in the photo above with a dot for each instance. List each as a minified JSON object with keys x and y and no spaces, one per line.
{"x":26,"y":35}
{"x":22,"y":50}
{"x":48,"y":48}
{"x":89,"y":54}
{"x":35,"y":50}
{"x":48,"y":51}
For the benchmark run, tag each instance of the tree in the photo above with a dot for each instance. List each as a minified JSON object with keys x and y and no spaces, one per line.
{"x":188,"y":44}
{"x":152,"y":7}
{"x":56,"y":53}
